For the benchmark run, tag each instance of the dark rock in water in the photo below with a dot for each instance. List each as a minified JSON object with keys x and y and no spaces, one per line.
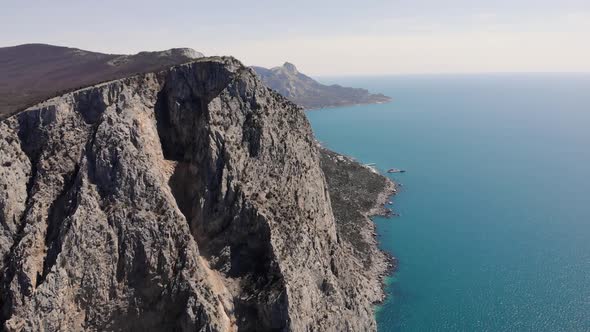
{"x":187,"y":199}
{"x":310,"y":94}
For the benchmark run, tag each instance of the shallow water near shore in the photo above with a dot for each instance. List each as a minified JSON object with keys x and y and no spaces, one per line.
{"x":494,"y":225}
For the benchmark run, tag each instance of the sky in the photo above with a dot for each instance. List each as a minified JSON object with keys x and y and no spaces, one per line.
{"x":323,"y":37}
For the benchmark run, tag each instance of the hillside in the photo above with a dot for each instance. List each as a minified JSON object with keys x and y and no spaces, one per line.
{"x":34,"y":72}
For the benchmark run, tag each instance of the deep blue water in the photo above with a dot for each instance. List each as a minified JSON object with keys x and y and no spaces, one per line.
{"x":494,"y":232}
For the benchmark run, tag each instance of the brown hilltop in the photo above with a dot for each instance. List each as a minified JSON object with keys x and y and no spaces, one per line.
{"x":34,"y":72}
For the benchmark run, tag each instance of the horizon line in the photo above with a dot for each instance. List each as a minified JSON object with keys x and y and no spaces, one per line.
{"x":478,"y":73}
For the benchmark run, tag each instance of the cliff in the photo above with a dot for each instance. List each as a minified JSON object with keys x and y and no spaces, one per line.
{"x":188,"y":199}
{"x":310,"y":94}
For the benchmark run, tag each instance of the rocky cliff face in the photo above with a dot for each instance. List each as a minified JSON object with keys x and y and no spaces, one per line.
{"x":189,"y":199}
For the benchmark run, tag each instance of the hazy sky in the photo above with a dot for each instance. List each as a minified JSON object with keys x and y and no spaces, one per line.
{"x":323,"y":37}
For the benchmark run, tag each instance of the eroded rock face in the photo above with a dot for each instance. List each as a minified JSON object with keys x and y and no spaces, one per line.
{"x":190,"y":199}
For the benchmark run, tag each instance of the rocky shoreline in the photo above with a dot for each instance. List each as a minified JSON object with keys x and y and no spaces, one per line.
{"x":358,"y":193}
{"x":382,"y":211}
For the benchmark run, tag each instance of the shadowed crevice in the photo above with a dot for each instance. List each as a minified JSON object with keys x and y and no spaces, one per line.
{"x":229,"y":232}
{"x":57,"y":222}
{"x":31,"y":138}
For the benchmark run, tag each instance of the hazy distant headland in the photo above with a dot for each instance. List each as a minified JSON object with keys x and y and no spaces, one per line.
{"x":309,"y":93}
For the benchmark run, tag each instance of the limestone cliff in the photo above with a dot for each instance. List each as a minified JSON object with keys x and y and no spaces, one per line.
{"x":189,"y":199}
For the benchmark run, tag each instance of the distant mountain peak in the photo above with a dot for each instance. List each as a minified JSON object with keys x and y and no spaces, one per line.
{"x":179,"y":52}
{"x":290,"y":67}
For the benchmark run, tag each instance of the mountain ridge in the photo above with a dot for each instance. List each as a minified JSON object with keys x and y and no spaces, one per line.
{"x":31,"y":73}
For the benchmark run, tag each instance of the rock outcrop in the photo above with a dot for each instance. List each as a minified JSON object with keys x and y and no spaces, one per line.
{"x":188,"y":199}
{"x":309,"y":93}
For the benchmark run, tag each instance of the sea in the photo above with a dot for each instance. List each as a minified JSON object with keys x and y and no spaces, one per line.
{"x":493,"y":232}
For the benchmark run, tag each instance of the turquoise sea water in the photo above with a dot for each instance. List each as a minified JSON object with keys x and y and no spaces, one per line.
{"x":494,"y":232}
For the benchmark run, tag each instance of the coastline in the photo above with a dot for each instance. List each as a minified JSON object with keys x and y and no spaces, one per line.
{"x":380,"y":210}
{"x":358,"y":193}
{"x":328,"y":107}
